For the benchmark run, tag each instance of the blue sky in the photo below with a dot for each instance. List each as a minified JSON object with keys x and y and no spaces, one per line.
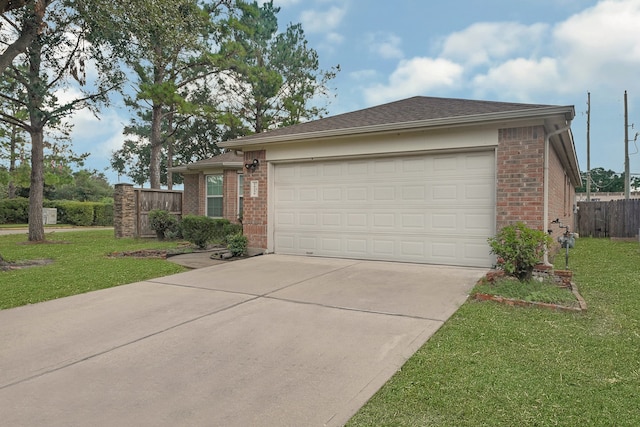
{"x":542,"y":51}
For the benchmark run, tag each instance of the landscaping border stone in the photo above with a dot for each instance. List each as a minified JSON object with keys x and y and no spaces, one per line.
{"x":564,"y":278}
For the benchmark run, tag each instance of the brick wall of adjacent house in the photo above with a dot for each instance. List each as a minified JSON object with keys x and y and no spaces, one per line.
{"x":254,"y":222}
{"x":194,"y":195}
{"x":520,"y":176}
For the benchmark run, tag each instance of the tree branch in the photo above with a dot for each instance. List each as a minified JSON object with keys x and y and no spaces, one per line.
{"x":31,"y":26}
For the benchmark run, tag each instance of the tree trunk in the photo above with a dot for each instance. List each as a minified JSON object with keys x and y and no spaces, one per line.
{"x":170,"y":153}
{"x":36,"y":226}
{"x":156,"y":146}
{"x":36,"y":130}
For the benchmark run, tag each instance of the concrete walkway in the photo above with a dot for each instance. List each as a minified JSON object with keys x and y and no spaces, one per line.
{"x":47,"y":230}
{"x":267,"y":341}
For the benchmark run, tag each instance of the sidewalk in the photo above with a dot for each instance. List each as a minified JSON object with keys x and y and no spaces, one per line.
{"x":47,"y":230}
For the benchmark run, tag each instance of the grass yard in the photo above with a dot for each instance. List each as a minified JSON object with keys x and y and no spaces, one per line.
{"x":80,"y":264}
{"x":495,"y":365}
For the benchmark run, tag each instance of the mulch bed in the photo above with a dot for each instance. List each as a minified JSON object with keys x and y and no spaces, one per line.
{"x":9,"y":266}
{"x":563,"y":277}
{"x":142,"y":253}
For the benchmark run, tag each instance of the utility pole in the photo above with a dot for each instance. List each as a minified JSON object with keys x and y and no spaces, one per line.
{"x":627,"y":177}
{"x":588,"y":146}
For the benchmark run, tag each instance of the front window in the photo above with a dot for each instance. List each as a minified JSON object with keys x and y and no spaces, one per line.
{"x":214,"y":196}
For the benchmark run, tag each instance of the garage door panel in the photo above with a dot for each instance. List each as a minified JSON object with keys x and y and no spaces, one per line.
{"x":478,"y":191}
{"x":426,"y":208}
{"x":478,"y":224}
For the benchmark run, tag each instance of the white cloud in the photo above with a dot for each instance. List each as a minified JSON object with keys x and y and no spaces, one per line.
{"x":415,"y":76}
{"x":519,"y":78}
{"x":601,"y":45}
{"x":334,"y":39}
{"x":363,"y":74}
{"x":314,"y":21}
{"x":485,"y":42}
{"x":283,"y":3}
{"x":387,"y":45}
{"x":96,"y":135}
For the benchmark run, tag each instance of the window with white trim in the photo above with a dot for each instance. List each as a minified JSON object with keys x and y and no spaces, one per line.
{"x":240,"y":194}
{"x":214,"y":196}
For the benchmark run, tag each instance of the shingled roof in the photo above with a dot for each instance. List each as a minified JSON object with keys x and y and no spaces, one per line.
{"x":228,"y":160}
{"x":419,"y":110}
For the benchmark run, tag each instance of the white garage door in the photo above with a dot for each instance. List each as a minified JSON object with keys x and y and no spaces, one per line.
{"x":436,"y":209}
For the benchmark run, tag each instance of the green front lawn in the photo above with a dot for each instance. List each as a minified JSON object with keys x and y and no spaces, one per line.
{"x":80,"y":264}
{"x":495,"y":365}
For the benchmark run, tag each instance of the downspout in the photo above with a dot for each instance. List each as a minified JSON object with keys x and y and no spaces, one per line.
{"x":545,"y":214}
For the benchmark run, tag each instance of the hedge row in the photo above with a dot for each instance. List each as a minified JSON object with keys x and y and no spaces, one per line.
{"x":16,"y":211}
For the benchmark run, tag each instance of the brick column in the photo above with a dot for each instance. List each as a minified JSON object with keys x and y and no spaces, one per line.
{"x":254,"y":221}
{"x":124,"y":210}
{"x":520,"y":192}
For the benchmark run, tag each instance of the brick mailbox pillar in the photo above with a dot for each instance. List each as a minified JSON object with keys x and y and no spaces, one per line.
{"x":124,"y":211}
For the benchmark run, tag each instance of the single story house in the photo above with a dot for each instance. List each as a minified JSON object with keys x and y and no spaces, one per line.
{"x":424,"y":180}
{"x":214,"y":187}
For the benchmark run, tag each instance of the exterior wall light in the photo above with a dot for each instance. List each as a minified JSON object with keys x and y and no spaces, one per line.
{"x":252,"y":166}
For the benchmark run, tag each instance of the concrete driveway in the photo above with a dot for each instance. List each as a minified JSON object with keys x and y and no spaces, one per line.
{"x":268,"y":341}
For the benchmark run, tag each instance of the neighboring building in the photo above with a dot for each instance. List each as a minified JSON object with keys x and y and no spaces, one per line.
{"x":424,"y":180}
{"x":214,"y":187}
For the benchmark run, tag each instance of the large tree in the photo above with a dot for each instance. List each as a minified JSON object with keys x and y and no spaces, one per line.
{"x":275,"y":79}
{"x":12,"y":137}
{"x":186,"y":138}
{"x":170,"y":56}
{"x":52,"y":61}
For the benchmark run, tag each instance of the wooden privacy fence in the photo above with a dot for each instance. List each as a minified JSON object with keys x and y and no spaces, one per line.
{"x":132,"y":207}
{"x":148,"y":200}
{"x":616,"y":218}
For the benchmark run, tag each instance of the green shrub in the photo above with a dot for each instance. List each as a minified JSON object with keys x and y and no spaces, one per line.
{"x":199,"y":230}
{"x":175,"y":232}
{"x":518,"y":249}
{"x":14,"y":211}
{"x":219,"y":226}
{"x":237,"y":244}
{"x":75,"y":213}
{"x":231,"y":230}
{"x":163,"y":223}
{"x":102,"y":214}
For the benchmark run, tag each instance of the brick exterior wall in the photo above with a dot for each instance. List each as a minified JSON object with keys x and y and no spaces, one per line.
{"x":230,"y":195}
{"x":562,"y":196}
{"x":520,"y":177}
{"x":194,"y":194}
{"x":254,"y":222}
{"x":520,"y":186}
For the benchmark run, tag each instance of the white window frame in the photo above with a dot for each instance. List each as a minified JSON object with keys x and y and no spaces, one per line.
{"x":214,"y":196}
